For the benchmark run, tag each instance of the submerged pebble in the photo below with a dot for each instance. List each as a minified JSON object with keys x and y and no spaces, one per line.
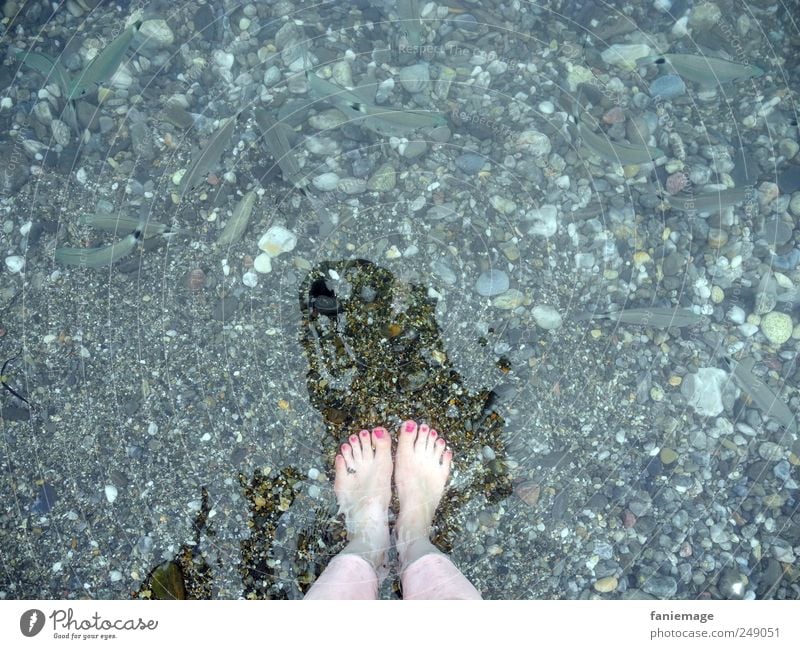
{"x":668,"y":86}
{"x":277,"y":240}
{"x":491,"y":283}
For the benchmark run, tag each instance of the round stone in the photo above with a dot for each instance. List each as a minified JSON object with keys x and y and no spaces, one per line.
{"x":156,"y":32}
{"x":15,"y":263}
{"x":491,"y":283}
{"x":546,"y":317}
{"x":262,"y":263}
{"x":326,"y":182}
{"x":777,"y":327}
{"x":277,"y":240}
{"x":415,"y":78}
{"x":250,"y":279}
{"x":606,"y":584}
{"x":667,"y":455}
{"x":111,"y":493}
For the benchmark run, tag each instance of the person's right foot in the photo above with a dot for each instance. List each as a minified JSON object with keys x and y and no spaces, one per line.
{"x":422,"y":466}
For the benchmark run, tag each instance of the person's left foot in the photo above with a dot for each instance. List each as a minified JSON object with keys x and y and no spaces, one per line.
{"x":363,"y":488}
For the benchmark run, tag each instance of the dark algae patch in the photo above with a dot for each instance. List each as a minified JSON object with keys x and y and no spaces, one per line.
{"x":376,"y":357}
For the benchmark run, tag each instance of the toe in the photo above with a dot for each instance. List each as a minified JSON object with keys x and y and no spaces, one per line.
{"x":447,"y":460}
{"x":381,"y":440}
{"x":405,"y":440}
{"x":438,"y":448}
{"x":347,"y":453}
{"x":366,"y":444}
{"x":355,"y":444}
{"x":422,"y":437}
{"x":431,"y":441}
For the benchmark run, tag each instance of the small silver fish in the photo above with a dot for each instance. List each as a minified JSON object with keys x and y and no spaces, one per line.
{"x":98,"y":257}
{"x":386,"y":121}
{"x":705,"y":70}
{"x":762,"y":395}
{"x":655,"y":317}
{"x":208,"y":157}
{"x":619,"y":152}
{"x":237,"y":224}
{"x":102,"y":67}
{"x":277,"y":142}
{"x":711,"y":202}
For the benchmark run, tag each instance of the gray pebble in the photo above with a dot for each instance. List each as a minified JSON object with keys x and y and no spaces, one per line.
{"x":470,"y":163}
{"x":660,"y":586}
{"x":492,"y":282}
{"x":770,"y":451}
{"x":415,"y":78}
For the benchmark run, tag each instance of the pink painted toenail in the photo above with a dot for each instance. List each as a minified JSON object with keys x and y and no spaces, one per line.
{"x":410,"y":425}
{"x":441,"y":441}
{"x":353,"y":439}
{"x":364,"y":433}
{"x":379,"y":432}
{"x":433,"y":433}
{"x":344,"y":448}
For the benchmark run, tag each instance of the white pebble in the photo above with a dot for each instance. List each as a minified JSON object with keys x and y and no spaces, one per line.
{"x":262,"y":264}
{"x":737,"y":315}
{"x":313,"y":474}
{"x":326,"y":182}
{"x":15,"y":263}
{"x":546,"y":107}
{"x":115,"y":575}
{"x":277,"y":240}
{"x":546,"y":317}
{"x":223,"y":59}
{"x":111,"y":493}
{"x":250,"y":279}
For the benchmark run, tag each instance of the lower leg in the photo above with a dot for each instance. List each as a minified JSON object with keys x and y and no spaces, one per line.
{"x":363,"y":490}
{"x":423,"y":466}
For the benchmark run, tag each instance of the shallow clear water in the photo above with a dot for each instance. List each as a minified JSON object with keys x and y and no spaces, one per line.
{"x":611,"y":354}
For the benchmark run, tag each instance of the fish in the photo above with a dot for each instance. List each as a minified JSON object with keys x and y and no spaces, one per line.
{"x":102,"y":67}
{"x":619,"y":152}
{"x":49,"y":68}
{"x":386,"y":121}
{"x":237,"y":224}
{"x":705,"y":70}
{"x":762,"y":395}
{"x":98,"y":257}
{"x":409,"y":13}
{"x":710,"y":202}
{"x":277,"y":142}
{"x":208,"y":157}
{"x":658,"y":317}
{"x":123,"y":223}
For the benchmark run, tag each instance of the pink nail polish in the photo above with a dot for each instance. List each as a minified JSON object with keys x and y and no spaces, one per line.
{"x":410,"y":426}
{"x":378,"y":432}
{"x":364,"y":433}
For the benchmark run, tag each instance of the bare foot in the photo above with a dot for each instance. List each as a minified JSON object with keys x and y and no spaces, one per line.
{"x":363,"y":488}
{"x":421,"y":472}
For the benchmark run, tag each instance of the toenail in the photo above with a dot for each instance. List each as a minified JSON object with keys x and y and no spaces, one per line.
{"x":364,"y":433}
{"x":410,"y":425}
{"x":433,"y":433}
{"x":379,"y":432}
{"x":345,"y":448}
{"x":441,"y":441}
{"x":353,"y":439}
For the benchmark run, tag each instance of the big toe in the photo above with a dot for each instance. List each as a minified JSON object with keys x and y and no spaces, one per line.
{"x":406,"y":438}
